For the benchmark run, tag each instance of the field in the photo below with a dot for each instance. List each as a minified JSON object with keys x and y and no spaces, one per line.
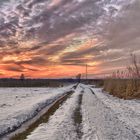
{"x":75,"y":112}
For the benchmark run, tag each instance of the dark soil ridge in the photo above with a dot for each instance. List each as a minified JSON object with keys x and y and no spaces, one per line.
{"x":77,"y":117}
{"x":43,"y":116}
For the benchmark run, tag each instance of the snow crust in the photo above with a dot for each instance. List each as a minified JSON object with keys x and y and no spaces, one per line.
{"x":126,"y":111}
{"x":101,"y":122}
{"x":60,"y":125}
{"x":104,"y":117}
{"x":17,"y":105}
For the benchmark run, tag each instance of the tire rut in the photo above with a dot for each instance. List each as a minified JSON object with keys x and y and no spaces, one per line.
{"x":77,"y":117}
{"x":42,"y":119}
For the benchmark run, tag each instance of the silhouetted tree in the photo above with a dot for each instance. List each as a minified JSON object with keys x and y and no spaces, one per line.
{"x":78,"y":77}
{"x":135,"y":66}
{"x":22,"y":77}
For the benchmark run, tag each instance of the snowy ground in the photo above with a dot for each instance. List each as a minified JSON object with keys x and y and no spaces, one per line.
{"x":103,"y":116}
{"x":17,"y":105}
{"x":106,"y":117}
{"x":126,"y":111}
{"x":60,"y":125}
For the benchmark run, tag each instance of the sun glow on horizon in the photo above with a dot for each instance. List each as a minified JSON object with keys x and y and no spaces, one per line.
{"x":36,"y":66}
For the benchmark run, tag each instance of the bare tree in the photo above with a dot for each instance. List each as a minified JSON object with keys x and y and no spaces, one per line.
{"x":133,"y":71}
{"x":135,"y":68}
{"x":22,"y":77}
{"x":78,"y":77}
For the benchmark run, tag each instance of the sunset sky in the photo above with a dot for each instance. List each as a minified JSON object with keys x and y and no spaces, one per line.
{"x":57,"y":38}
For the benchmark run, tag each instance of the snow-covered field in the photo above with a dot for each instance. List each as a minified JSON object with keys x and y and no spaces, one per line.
{"x":60,"y":125}
{"x":104,"y":117}
{"x":18,"y":105}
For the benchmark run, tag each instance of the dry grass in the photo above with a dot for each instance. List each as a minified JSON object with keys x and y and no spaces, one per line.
{"x":123,"y":88}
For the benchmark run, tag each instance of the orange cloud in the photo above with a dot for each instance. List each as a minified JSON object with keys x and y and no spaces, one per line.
{"x":57,"y":71}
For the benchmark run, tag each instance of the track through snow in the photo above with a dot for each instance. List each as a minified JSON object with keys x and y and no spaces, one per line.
{"x":90,"y":114}
{"x":19,"y":105}
{"x":126,"y":111}
{"x":101,"y":122}
{"x":61,"y":125}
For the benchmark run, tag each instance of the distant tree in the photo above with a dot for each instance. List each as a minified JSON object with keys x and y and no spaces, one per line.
{"x":113,"y":75}
{"x":135,"y":66}
{"x":78,"y":77}
{"x":118,"y":74}
{"x":22,"y":77}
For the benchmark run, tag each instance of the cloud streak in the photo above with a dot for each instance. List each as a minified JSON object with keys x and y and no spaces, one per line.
{"x":36,"y":35}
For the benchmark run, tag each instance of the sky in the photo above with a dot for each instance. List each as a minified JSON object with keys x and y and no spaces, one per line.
{"x":58,"y":38}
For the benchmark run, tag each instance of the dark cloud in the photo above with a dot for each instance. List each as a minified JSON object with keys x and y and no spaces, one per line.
{"x":14,"y":68}
{"x":43,"y":27}
{"x":34,"y":61}
{"x":52,"y":50}
{"x":81,"y":53}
